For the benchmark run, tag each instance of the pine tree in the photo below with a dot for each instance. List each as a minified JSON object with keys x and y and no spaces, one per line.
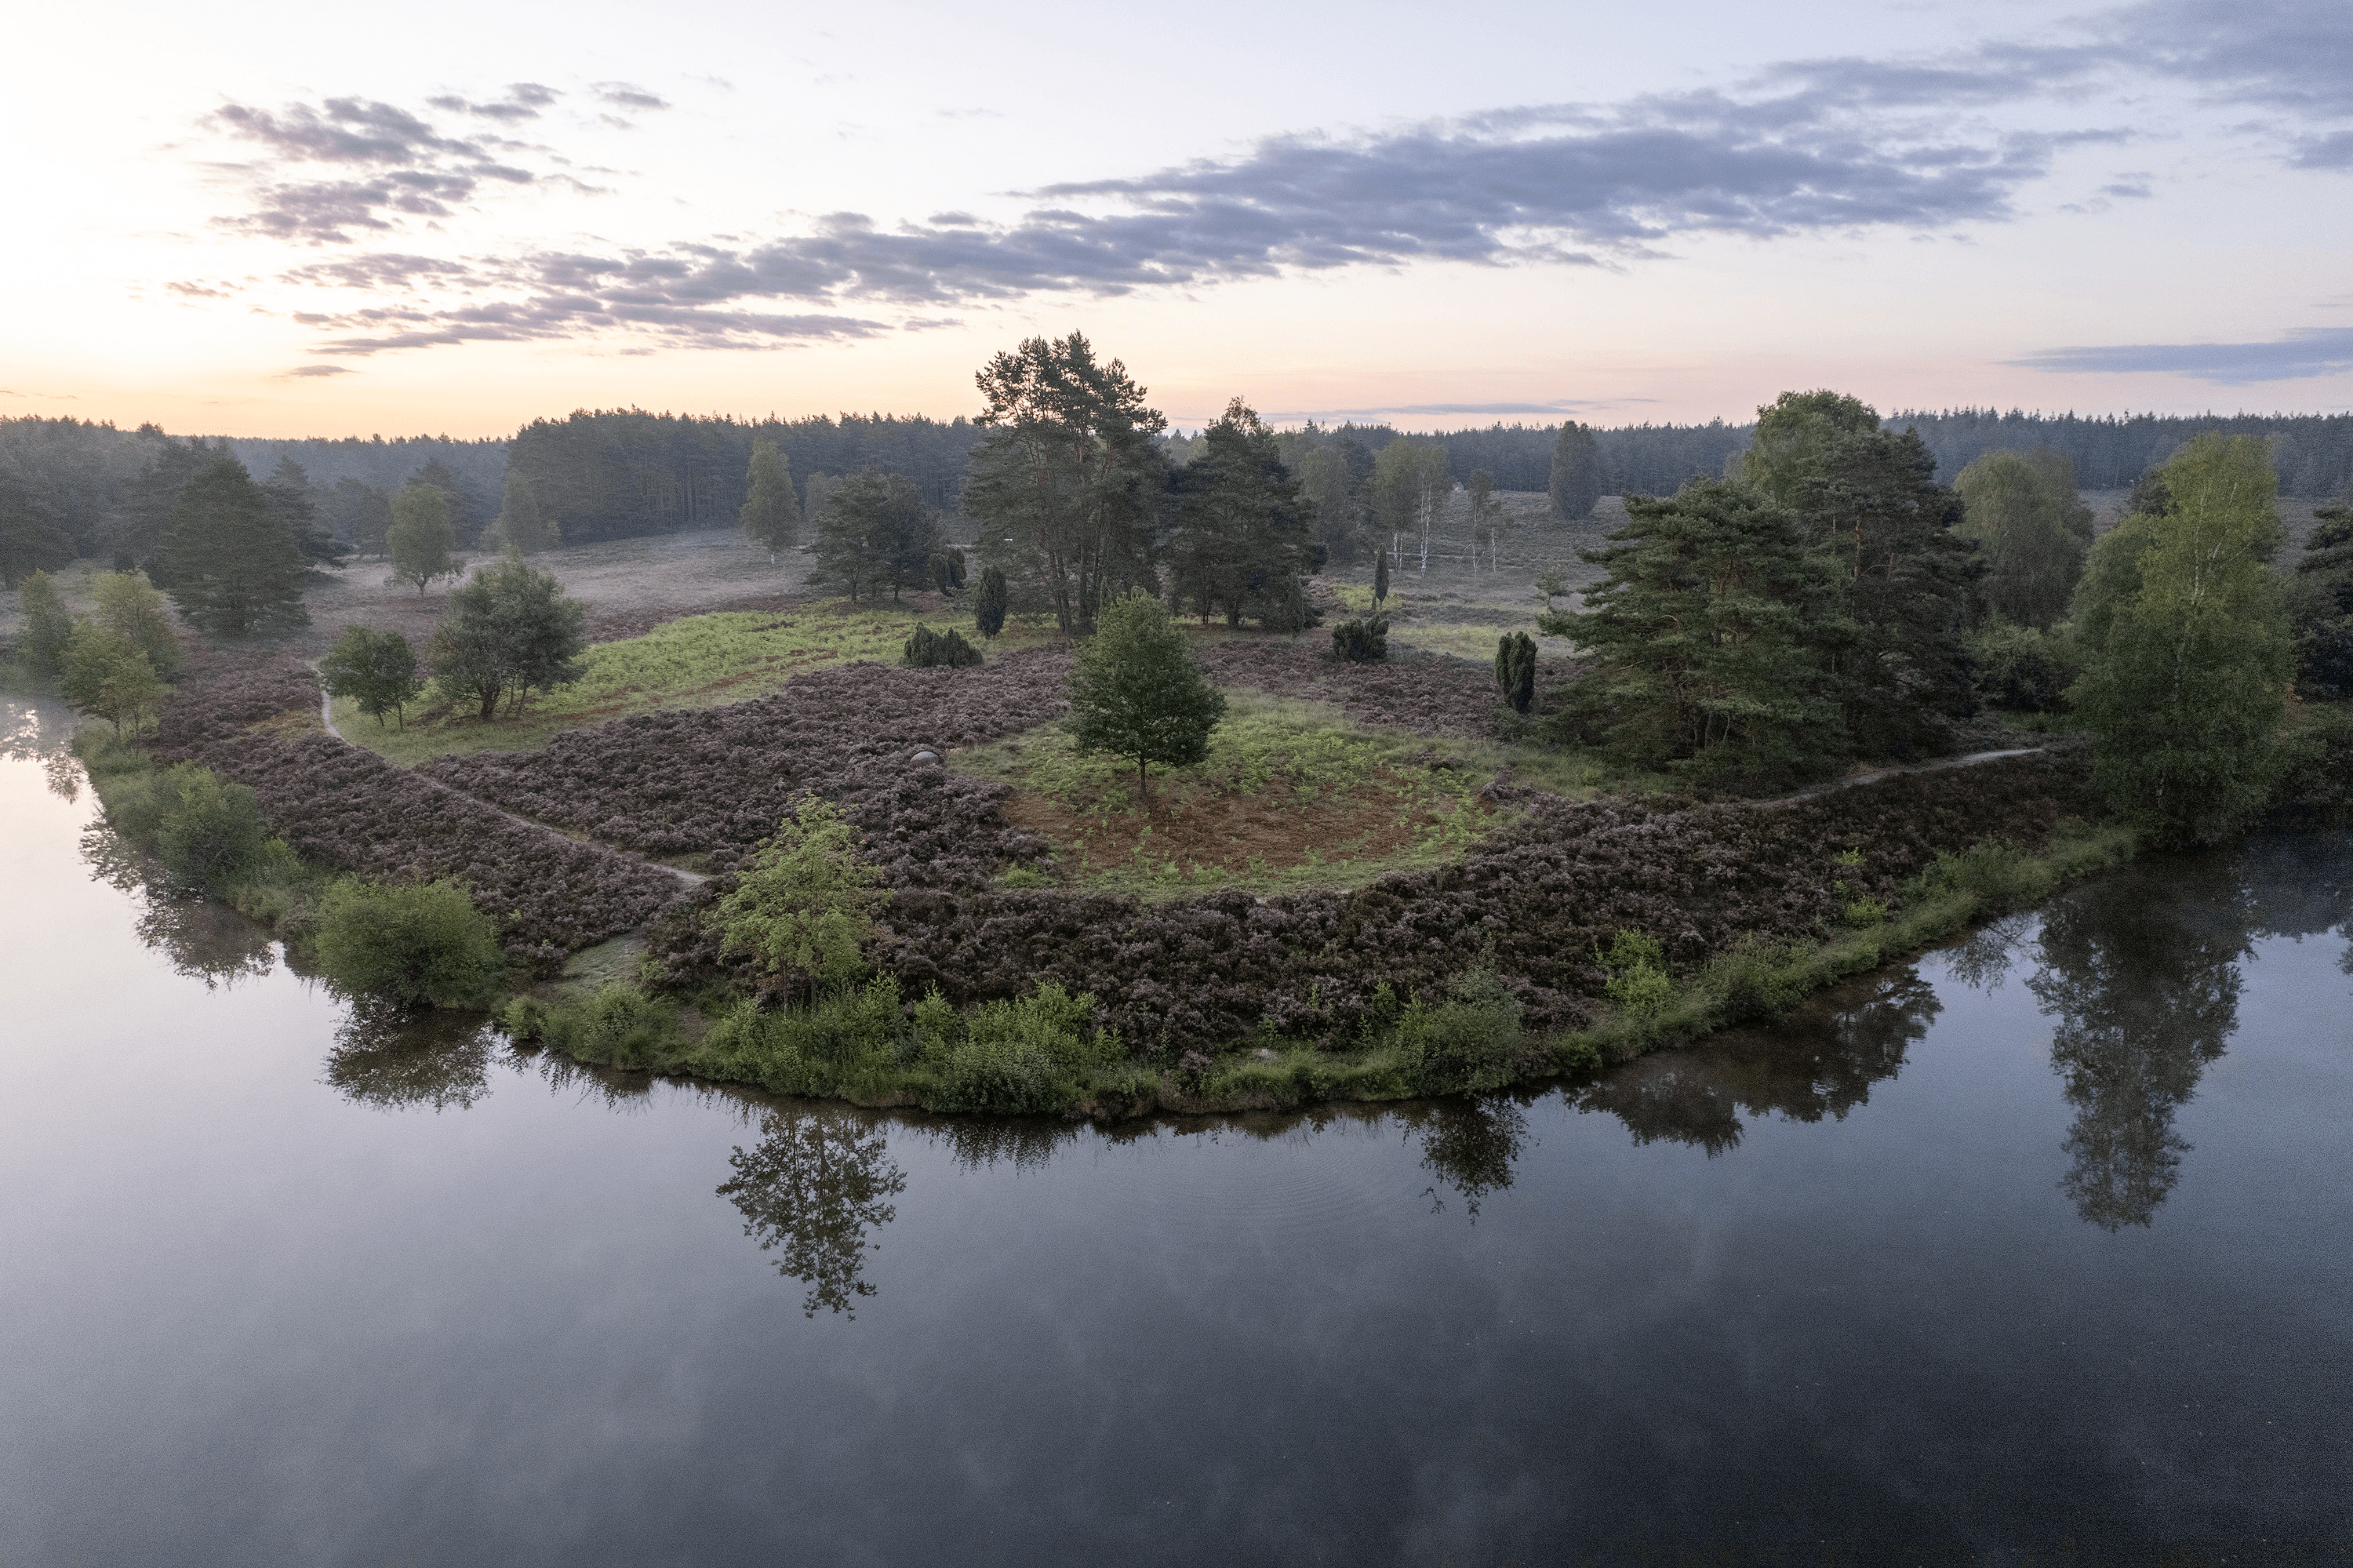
{"x":1700,"y":632}
{"x":989,"y":604}
{"x":771,"y":516}
{"x":30,"y":538}
{"x":1137,"y":692}
{"x":2322,"y":607}
{"x":876,"y":529}
{"x":1381,"y":578}
{"x":2185,"y":694}
{"x":1244,"y":542}
{"x":235,"y":568}
{"x":1575,"y":484}
{"x":295,"y":501}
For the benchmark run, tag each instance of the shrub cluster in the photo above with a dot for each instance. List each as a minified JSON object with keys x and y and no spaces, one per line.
{"x":715,"y":781}
{"x":415,"y":942}
{"x":930,"y":649}
{"x":1361,"y":640}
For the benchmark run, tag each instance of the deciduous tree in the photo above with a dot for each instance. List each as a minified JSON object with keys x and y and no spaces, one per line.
{"x":377,"y":670}
{"x":771,"y":517}
{"x":30,"y":538}
{"x":2185,"y":694}
{"x":510,"y":631}
{"x":130,"y":608}
{"x":421,"y":538}
{"x":1575,"y":484}
{"x":47,"y":624}
{"x":803,"y":903}
{"x":876,"y":529}
{"x":2013,"y":509}
{"x":106,"y":676}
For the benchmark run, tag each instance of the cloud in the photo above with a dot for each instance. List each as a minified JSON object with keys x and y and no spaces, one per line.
{"x":2325,"y":152}
{"x":2305,"y":352}
{"x":198,"y":291}
{"x":622,"y":95}
{"x":308,"y":371}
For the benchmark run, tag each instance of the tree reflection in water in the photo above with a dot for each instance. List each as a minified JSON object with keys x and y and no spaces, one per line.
{"x":393,"y":1057}
{"x":817,"y":1183}
{"x":2142,"y":972}
{"x":1819,"y":1062}
{"x":1472,"y":1149}
{"x":204,"y":940}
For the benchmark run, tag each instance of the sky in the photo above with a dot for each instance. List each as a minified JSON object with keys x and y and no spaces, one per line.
{"x":281,"y":220}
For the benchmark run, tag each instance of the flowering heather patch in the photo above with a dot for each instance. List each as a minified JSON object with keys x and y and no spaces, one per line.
{"x":345,"y":807}
{"x":1201,"y":973}
{"x":714,"y":781}
{"x":222,"y":691}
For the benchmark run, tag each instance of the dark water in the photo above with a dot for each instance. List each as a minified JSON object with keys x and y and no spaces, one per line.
{"x":2042,"y":1250}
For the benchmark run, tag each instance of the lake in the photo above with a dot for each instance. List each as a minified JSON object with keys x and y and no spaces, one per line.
{"x":2040,"y":1249}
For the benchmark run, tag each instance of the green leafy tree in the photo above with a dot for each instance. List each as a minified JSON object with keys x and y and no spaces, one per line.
{"x":771,"y":515}
{"x":989,"y":604}
{"x":510,"y":631}
{"x":377,"y":670}
{"x":464,"y":523}
{"x":877,"y":529}
{"x":106,"y":676}
{"x":235,"y":570}
{"x":30,"y":537}
{"x":1067,"y":482}
{"x":130,"y":608}
{"x":415,"y":942}
{"x":1411,"y":483}
{"x":525,"y":521}
{"x":421,"y":538}
{"x":47,"y":624}
{"x":1575,"y":484}
{"x":1898,"y":657}
{"x":1137,"y":691}
{"x":1245,"y":542}
{"x":1486,"y":516}
{"x":2013,"y":509}
{"x":803,"y":903}
{"x":2185,"y":694}
{"x":1702,"y":633}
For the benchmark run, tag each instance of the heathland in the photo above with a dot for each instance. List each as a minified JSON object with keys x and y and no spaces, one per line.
{"x":1434,"y":788}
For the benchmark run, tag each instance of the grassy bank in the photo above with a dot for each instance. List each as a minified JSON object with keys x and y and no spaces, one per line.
{"x":699,"y":660}
{"x":1044,"y":1055}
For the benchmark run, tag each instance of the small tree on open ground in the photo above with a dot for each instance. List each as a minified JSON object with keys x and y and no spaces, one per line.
{"x":989,"y":604}
{"x":107,"y":677}
{"x":422,"y":536}
{"x":804,"y":901}
{"x":1137,"y":692}
{"x":377,"y":670}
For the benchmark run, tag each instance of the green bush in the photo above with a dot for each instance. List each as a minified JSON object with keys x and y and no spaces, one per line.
{"x":1017,"y":1057}
{"x":845,"y":1036}
{"x":1639,"y":983}
{"x":2021,"y":670}
{"x":2319,"y":753}
{"x":927,"y":649}
{"x":1361,"y":640}
{"x":1469,"y":1040}
{"x":209,"y":832}
{"x":413,"y":941}
{"x":1754,"y":977}
{"x":2001,"y":875}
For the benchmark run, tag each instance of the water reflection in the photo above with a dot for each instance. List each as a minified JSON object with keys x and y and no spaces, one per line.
{"x":1472,"y":1149}
{"x":1819,"y":1062}
{"x":205,"y":942}
{"x":812,"y":1188}
{"x":25,"y":737}
{"x":392,"y":1058}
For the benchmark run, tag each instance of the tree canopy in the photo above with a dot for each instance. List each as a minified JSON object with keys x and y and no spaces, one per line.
{"x":771,"y":516}
{"x":1136,"y":690}
{"x":803,"y":903}
{"x":421,"y":536}
{"x":377,"y":670}
{"x":510,"y":631}
{"x":1067,"y":482}
{"x":1576,"y":480}
{"x":235,"y":570}
{"x":2033,"y":529}
{"x":1245,"y":542}
{"x":875,"y":530}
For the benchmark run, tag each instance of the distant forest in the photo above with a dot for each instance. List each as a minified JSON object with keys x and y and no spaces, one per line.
{"x":610,"y":473}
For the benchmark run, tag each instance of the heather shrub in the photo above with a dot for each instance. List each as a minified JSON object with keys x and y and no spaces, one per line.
{"x":418,"y":942}
{"x":932,"y":650}
{"x":1361,"y":640}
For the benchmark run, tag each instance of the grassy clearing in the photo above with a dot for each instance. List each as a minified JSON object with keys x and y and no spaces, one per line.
{"x":1292,"y":794}
{"x":700,"y":660}
{"x":1474,"y":643}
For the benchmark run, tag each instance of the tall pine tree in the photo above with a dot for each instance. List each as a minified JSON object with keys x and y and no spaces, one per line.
{"x":235,"y":568}
{"x":1244,"y":542}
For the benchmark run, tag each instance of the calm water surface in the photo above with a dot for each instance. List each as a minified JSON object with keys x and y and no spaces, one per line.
{"x":2039,"y":1250}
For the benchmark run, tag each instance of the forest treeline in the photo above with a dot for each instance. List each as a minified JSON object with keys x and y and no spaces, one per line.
{"x":74,"y":488}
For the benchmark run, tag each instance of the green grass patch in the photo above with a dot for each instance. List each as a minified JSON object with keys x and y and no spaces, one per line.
{"x":698,"y":660}
{"x":1292,"y":794}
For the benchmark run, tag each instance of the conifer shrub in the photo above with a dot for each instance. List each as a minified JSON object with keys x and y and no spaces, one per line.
{"x":929,"y":650}
{"x":1361,"y":640}
{"x":1516,"y":670}
{"x":415,"y":942}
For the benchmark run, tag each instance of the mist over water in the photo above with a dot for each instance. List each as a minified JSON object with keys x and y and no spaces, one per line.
{"x":2042,"y":1243}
